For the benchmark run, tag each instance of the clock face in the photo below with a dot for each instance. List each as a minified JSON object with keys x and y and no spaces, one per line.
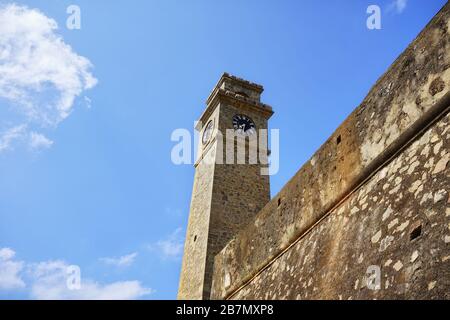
{"x":207,"y":132}
{"x":243,"y":125}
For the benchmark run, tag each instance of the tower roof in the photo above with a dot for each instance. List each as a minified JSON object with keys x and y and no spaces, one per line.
{"x":242,"y":92}
{"x":237,"y":85}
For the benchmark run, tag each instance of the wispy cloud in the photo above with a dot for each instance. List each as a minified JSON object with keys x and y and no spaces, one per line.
{"x":10,"y":270}
{"x":171,"y":247}
{"x":123,"y":261}
{"x":48,"y":280}
{"x":38,"y":141}
{"x":88,"y":102}
{"x":40,"y":75}
{"x":10,"y":135}
{"x":398,"y":6}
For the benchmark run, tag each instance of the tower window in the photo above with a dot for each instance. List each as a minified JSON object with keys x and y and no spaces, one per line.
{"x":338,"y":139}
{"x":195,"y":238}
{"x":279,"y":201}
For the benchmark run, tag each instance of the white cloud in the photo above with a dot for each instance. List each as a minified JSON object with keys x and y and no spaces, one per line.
{"x":170,"y":247}
{"x":123,"y":261}
{"x":40,"y":75}
{"x":6,"y":254}
{"x":49,"y":282}
{"x":38,"y":141}
{"x":398,"y":5}
{"x":10,"y":270}
{"x":9,"y":136}
{"x":88,"y":102}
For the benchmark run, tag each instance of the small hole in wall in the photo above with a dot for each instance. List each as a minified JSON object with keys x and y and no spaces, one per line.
{"x":338,"y":139}
{"x":279,"y":201}
{"x":195,"y":238}
{"x":416,"y":232}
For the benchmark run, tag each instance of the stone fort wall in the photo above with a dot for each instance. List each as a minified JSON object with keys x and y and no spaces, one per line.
{"x":375,"y":194}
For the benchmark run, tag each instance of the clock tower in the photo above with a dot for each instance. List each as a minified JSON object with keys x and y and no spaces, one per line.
{"x":230,"y":186}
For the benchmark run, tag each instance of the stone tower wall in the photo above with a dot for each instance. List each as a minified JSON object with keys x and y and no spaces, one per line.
{"x":226,"y":196}
{"x":239,"y":193}
{"x":194,"y":264}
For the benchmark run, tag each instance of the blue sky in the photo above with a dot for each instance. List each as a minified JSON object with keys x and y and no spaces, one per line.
{"x":90,"y":182}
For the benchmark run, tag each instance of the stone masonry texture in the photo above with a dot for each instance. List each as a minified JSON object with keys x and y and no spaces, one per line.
{"x":376,"y":193}
{"x":374,"y":226}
